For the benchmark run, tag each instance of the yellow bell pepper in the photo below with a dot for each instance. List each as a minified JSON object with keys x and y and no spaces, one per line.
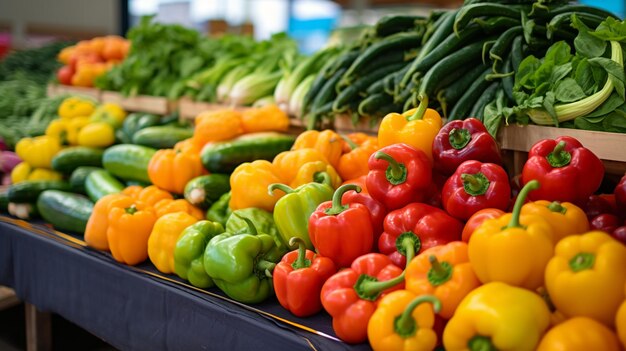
{"x":497,"y":316}
{"x":249,"y":183}
{"x":620,"y":323}
{"x":38,"y":151}
{"x":57,"y":128}
{"x":416,"y":127}
{"x":564,"y":218}
{"x":586,"y":276}
{"x":264,"y":119}
{"x":23,"y":171}
{"x":310,"y":172}
{"x":96,"y":134}
{"x":74,"y":127}
{"x":288,"y":163}
{"x":579,"y":334}
{"x":402,"y":321}
{"x":163,"y":239}
{"x":327,"y":142}
{"x":75,"y":107}
{"x":110,"y":113}
{"x":512,"y":249}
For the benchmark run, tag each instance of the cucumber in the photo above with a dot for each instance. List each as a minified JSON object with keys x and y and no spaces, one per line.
{"x":29,"y":190}
{"x":202,"y":191}
{"x":224,"y":157}
{"x":463,"y":107}
{"x":128,"y":162}
{"x":161,"y":137}
{"x":502,"y":46}
{"x":4,"y":200}
{"x":67,"y":160}
{"x":487,"y":96}
{"x":24,"y":210}
{"x":391,"y":24}
{"x":373,"y":103}
{"x":468,"y":13}
{"x":455,"y":90}
{"x":65,"y":211}
{"x":101,"y":183}
{"x":78,"y":177}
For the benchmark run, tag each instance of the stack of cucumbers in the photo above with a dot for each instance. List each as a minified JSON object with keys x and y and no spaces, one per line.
{"x":456,"y":61}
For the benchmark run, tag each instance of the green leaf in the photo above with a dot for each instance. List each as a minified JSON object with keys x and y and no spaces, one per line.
{"x":493,"y":116}
{"x":585,"y":43}
{"x":559,"y":72}
{"x":584,"y":77}
{"x":525,"y":72}
{"x":615,"y":71}
{"x":548,"y":105}
{"x":567,"y":90}
{"x":583,"y":123}
{"x":610,"y":29}
{"x":613,"y":102}
{"x":615,"y":122}
{"x":559,"y":53}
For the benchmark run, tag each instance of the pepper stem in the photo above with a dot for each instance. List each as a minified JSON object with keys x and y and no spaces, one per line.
{"x":421,"y":108}
{"x":481,"y":343}
{"x":459,"y":138}
{"x":439,"y":272}
{"x":404,"y":324}
{"x":337,"y":207}
{"x":301,"y":261}
{"x":266,"y":267}
{"x":521,"y":198}
{"x":559,"y":157}
{"x":132,"y":209}
{"x":407,"y":245}
{"x":582,"y":261}
{"x":556,"y":206}
{"x":396,"y":172}
{"x":249,"y":223}
{"x":348,"y":141}
{"x":322,"y":178}
{"x":283,"y":187}
{"x":475,"y":184}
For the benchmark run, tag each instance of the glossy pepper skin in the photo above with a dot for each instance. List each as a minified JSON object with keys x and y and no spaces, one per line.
{"x":96,"y":134}
{"x":399,"y":174}
{"x":130,"y":226}
{"x":301,"y":166}
{"x":23,"y":171}
{"x":327,"y":142}
{"x":460,"y":141}
{"x":98,"y":223}
{"x":217,"y":126}
{"x":171,"y":170}
{"x":477,"y":219}
{"x":592,"y":268}
{"x":219,"y":210}
{"x":497,"y":316}
{"x":620,"y":197}
{"x":263,"y":222}
{"x":298,"y":279}
{"x":579,"y":334}
{"x":499,"y":250}
{"x":248,"y":185}
{"x":75,"y":107}
{"x":620,"y":323}
{"x":264,"y":119}
{"x":564,"y":218}
{"x":476,"y":186}
{"x":239,"y":266}
{"x":292,"y":211}
{"x":445,"y":272}
{"x":376,"y":209}
{"x":350,"y":296}
{"x":163,"y":238}
{"x":189,"y":252}
{"x":430,"y":225}
{"x":341,"y":232}
{"x":38,"y":151}
{"x":166,"y":206}
{"x":357,"y":149}
{"x":404,"y":321}
{"x":416,"y":127}
{"x":567,"y":171}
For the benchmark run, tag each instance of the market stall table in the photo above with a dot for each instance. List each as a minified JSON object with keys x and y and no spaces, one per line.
{"x":137,"y":308}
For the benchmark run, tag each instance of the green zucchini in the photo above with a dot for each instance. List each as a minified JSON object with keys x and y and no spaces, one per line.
{"x":485,"y":98}
{"x":23,"y":211}
{"x":453,"y":92}
{"x":138,"y":121}
{"x":508,"y":80}
{"x":463,"y":107}
{"x":101,"y":183}
{"x":4,"y":200}
{"x":65,"y":211}
{"x":494,"y":25}
{"x":469,"y":12}
{"x":67,"y":160}
{"x":373,"y":103}
{"x":161,"y":137}
{"x":78,"y":177}
{"x":502,"y":46}
{"x":562,"y":21}
{"x":581,"y":9}
{"x":29,"y":190}
{"x":202,"y":191}
{"x":224,"y":157}
{"x":517,"y":53}
{"x":326,"y":95}
{"x":128,"y":162}
{"x":391,"y":24}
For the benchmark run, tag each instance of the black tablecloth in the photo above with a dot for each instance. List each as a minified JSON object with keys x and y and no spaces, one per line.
{"x":138,"y":308}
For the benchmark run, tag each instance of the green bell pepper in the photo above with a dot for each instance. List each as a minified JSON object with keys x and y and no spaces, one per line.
{"x":292,"y":211}
{"x":219,"y":210}
{"x":189,"y":252}
{"x":239,"y":265}
{"x":263,"y":222}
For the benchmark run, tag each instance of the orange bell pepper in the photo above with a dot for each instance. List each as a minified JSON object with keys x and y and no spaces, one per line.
{"x":620,"y":323}
{"x":166,"y":206}
{"x":264,"y":119}
{"x":171,"y":170}
{"x":416,"y":127}
{"x":187,"y":146}
{"x":249,"y":183}
{"x":579,"y":334}
{"x":402,"y":321}
{"x":445,"y":272}
{"x":288,"y":163}
{"x":357,"y":149}
{"x":217,"y":126}
{"x":132,"y":191}
{"x":150,"y":195}
{"x":327,"y":142}
{"x":163,"y":238}
{"x":564,"y":218}
{"x":130,"y":225}
{"x":360,"y":181}
{"x":98,"y":223}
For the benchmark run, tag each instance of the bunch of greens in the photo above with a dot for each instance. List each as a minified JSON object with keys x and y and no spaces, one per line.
{"x":36,"y":65}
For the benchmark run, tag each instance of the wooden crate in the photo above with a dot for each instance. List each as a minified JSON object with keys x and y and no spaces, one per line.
{"x":189,"y":109}
{"x":53,"y":90}
{"x":141,"y":103}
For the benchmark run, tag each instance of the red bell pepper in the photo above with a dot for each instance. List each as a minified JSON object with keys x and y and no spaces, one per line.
{"x":605,"y":222}
{"x":299,"y":277}
{"x":600,"y":204}
{"x":567,"y":171}
{"x":460,"y":141}
{"x":399,"y":174}
{"x":350,"y":295}
{"x":620,"y":234}
{"x":376,"y":209}
{"x":476,"y":186}
{"x":477,"y":219}
{"x":360,"y":181}
{"x":341,"y":232}
{"x":430,"y":225}
{"x":620,"y":197}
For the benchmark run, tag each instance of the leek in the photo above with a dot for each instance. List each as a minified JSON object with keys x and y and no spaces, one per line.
{"x":266,"y":100}
{"x":253,"y":87}
{"x":296,"y":102}
{"x":229,"y":80}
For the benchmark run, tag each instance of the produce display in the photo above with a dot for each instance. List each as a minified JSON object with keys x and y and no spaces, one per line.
{"x":415,"y":236}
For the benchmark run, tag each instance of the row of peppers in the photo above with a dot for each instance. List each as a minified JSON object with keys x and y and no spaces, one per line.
{"x":394,"y":208}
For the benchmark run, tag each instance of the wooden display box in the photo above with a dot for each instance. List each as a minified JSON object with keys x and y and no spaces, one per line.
{"x":141,"y":103}
{"x":189,"y":109}
{"x":53,"y":90}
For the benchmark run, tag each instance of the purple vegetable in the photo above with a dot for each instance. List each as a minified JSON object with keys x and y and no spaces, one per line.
{"x":8,"y":161}
{"x":6,"y":179}
{"x":3,"y":145}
